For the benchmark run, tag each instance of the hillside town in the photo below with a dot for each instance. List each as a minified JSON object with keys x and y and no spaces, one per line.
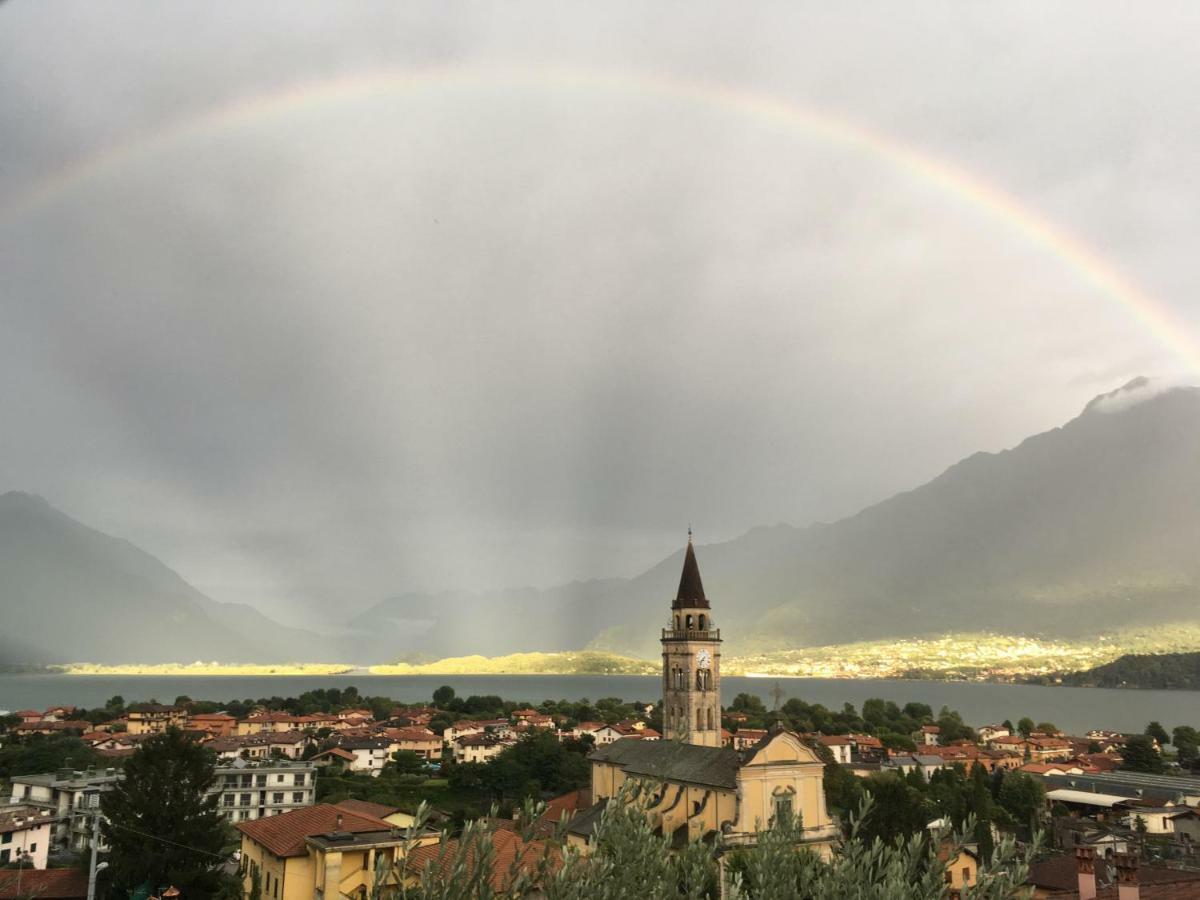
{"x":337,"y":789}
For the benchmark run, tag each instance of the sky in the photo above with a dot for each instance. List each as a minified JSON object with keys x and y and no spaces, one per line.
{"x":321,"y":303}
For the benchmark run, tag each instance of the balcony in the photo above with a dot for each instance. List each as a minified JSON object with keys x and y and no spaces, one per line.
{"x":691,"y":634}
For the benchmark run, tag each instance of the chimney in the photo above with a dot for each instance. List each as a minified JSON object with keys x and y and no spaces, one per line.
{"x":338,"y":823}
{"x":1127,"y":876}
{"x":1085,"y":865}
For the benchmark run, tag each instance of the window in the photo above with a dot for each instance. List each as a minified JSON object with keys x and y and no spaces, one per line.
{"x":689,"y":623}
{"x":298,"y":797}
{"x":783,"y":808}
{"x":262,"y":780}
{"x":33,"y":847}
{"x":227,"y":799}
{"x":299,"y":780}
{"x":279,"y":778}
{"x":4,"y":855}
{"x":245,"y":799}
{"x":710,"y":720}
{"x":699,"y":720}
{"x":6,"y":838}
{"x":701,"y":622}
{"x":277,"y":797}
{"x":966,"y":874}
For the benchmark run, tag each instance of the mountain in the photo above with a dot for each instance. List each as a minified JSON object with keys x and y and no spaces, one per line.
{"x":1088,"y":527}
{"x":1164,"y":671}
{"x":69,"y":593}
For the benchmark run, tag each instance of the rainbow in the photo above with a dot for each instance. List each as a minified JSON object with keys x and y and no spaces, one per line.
{"x":958,"y":183}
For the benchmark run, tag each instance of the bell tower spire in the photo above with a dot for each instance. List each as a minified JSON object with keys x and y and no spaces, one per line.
{"x":692,"y":662}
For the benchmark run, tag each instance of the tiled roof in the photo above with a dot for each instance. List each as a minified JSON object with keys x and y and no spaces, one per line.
{"x":367,"y":808}
{"x":1060,"y":873}
{"x":45,"y":884}
{"x":509,"y":848}
{"x":668,"y":761}
{"x":284,"y":834}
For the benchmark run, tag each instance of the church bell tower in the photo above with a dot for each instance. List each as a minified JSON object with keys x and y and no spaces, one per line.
{"x":692,"y":663}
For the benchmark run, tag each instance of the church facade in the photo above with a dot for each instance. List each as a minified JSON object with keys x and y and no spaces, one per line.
{"x":700,"y":789}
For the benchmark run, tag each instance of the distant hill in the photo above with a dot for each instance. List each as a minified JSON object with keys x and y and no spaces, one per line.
{"x":69,"y":593}
{"x":1178,"y":671}
{"x":1089,"y":527}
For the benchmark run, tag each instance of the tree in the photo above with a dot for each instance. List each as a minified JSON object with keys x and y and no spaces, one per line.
{"x":1140,"y":755}
{"x":442,"y":696}
{"x":405,"y":762}
{"x":162,"y":827}
{"x":1156,"y":731}
{"x":1023,"y":798}
{"x":1047,"y":728}
{"x":897,"y":809}
{"x":1187,"y":744}
{"x":1025,"y":726}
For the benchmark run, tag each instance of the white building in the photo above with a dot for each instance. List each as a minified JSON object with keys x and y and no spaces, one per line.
{"x":25,"y":835}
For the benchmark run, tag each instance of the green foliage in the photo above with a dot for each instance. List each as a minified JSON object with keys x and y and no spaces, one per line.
{"x":161,"y":826}
{"x":405,"y":762}
{"x":899,"y":809}
{"x":1140,"y":755}
{"x":1156,"y":731}
{"x":1046,"y":728}
{"x":35,"y":753}
{"x":1025,"y":726}
{"x":538,"y":763}
{"x":442,"y":696}
{"x":1023,"y":798}
{"x":1159,"y":671}
{"x":627,"y":859}
{"x":1187,"y":744}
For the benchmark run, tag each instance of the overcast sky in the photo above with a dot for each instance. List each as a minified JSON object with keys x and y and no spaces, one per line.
{"x":522,"y":317}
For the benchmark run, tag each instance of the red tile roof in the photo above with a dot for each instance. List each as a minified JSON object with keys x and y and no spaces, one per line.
{"x":45,"y":884}
{"x":367,"y":808}
{"x":509,"y":849}
{"x":284,"y":834}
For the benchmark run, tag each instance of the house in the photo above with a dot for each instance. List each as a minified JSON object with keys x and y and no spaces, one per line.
{"x":28,"y":716}
{"x":420,"y":741}
{"x":925,"y":763}
{"x":25,"y":834}
{"x":43,"y":884}
{"x":839,"y":745}
{"x":478,"y":747}
{"x":326,"y":851}
{"x":216,"y":724}
{"x":391,"y":814}
{"x":1081,"y":875}
{"x":1160,"y":817}
{"x":55,"y":726}
{"x":522,"y":716}
{"x":746,"y":738}
{"x":928,"y":735}
{"x":458,"y":729}
{"x":370,"y":754}
{"x":59,"y":713}
{"x":334,"y":756}
{"x":988,"y":732}
{"x":70,"y":796}
{"x":707,"y":792}
{"x":510,"y":852}
{"x":255,"y":790}
{"x":154,"y":718}
{"x":606,"y":734}
{"x":962,"y":865}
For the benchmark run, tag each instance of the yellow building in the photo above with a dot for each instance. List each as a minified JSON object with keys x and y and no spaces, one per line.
{"x":324,"y":851}
{"x":704,"y":790}
{"x":154,"y":718}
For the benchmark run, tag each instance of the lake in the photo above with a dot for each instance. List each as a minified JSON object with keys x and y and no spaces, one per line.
{"x":1074,"y":710}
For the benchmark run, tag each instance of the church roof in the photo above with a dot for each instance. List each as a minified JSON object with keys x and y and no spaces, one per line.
{"x":691,"y":588}
{"x":668,"y":761}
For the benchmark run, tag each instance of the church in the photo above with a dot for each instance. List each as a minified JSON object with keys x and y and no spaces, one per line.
{"x":707,"y":790}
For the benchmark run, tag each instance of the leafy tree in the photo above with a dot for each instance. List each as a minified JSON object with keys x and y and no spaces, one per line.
{"x":1140,"y":755}
{"x":1023,"y":798}
{"x":442,"y":696}
{"x":405,"y":762}
{"x":1187,"y":744}
{"x":1025,"y":726}
{"x":1156,"y":731}
{"x":1007,"y":723}
{"x":898,"y":810}
{"x":162,"y":827}
{"x":44,"y":753}
{"x":1046,"y":728}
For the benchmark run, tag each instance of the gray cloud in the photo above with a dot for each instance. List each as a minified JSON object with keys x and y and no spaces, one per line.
{"x":516,"y":331}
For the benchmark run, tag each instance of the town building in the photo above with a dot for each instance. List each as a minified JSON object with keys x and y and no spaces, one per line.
{"x":25,"y":835}
{"x":324,"y":852}
{"x":704,"y":790}
{"x":154,"y":718}
{"x":255,"y":790}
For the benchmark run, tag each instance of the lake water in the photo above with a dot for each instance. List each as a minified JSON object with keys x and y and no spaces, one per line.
{"x":1075,"y":710}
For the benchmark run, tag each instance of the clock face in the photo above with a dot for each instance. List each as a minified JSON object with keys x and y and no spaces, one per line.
{"x":704,"y":659}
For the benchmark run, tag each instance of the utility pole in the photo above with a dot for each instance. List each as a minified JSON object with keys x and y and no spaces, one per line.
{"x":91,"y":893}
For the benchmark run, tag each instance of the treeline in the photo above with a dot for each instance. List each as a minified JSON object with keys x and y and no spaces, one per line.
{"x":1164,"y":671}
